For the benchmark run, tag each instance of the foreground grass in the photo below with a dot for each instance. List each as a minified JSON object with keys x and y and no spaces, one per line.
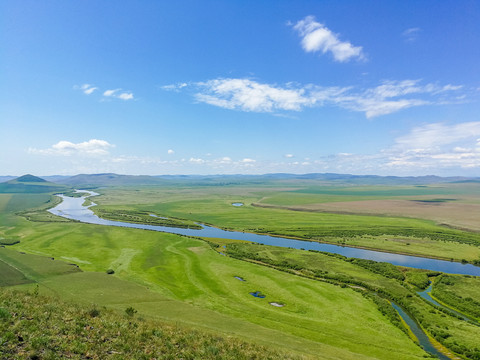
{"x":39,"y":327}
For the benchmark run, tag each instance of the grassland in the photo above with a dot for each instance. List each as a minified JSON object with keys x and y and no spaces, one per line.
{"x":184,"y":280}
{"x":40,"y":327}
{"x":388,"y":233}
{"x":379,"y":281}
{"x":334,"y":308}
{"x":455,"y":205}
{"x":189,"y":282}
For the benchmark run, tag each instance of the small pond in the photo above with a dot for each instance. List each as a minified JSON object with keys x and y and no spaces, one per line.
{"x":257,"y":294}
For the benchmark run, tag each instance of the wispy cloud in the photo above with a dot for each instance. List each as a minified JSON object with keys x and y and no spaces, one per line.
{"x":117,"y":94}
{"x":110,"y":93}
{"x":125,"y":96}
{"x":386,"y":98}
{"x":439,"y":134}
{"x":87,"y":89}
{"x":174,"y":87}
{"x":93,"y":147}
{"x":317,"y":37}
{"x":392,"y":96}
{"x":249,"y":95}
{"x":411,"y":34}
{"x":438,"y":145}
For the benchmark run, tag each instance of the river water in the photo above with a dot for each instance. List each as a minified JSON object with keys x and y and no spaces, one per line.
{"x":72,"y":208}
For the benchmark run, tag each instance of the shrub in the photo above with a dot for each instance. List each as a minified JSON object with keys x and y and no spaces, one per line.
{"x":4,"y":314}
{"x":130,"y":311}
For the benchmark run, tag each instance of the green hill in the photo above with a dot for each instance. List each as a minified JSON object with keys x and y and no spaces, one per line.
{"x":38,"y":327}
{"x":29,"y":178}
{"x":30,"y":184}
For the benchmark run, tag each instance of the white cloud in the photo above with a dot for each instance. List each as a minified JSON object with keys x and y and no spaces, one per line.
{"x":223,"y":160}
{"x":87,"y":89}
{"x":439,"y":134}
{"x":249,"y":95}
{"x":386,"y":98}
{"x":317,"y":37}
{"x":174,"y":87}
{"x":392,"y":96}
{"x":248,"y":161}
{"x":125,"y":96}
{"x":110,"y":92}
{"x":288,"y":155}
{"x":170,"y":152}
{"x":114,"y":93}
{"x":93,"y":147}
{"x":196,"y":160}
{"x":437,"y":146}
{"x":411,"y":34}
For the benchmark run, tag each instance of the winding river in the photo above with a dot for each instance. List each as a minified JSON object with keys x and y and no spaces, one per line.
{"x":72,"y":208}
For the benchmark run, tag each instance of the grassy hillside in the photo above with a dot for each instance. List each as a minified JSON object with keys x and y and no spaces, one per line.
{"x":39,"y":327}
{"x":30,"y":184}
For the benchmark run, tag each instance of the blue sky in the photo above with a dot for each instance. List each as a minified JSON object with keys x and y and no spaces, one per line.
{"x":228,"y":87}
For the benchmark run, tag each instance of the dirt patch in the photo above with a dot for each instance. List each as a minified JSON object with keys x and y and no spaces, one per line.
{"x":197,"y":249}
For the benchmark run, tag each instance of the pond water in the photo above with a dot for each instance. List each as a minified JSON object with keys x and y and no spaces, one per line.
{"x":72,"y":208}
{"x":237,"y":204}
{"x":258,"y":294}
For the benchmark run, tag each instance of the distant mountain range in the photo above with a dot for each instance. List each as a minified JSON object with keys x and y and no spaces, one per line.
{"x":12,"y":184}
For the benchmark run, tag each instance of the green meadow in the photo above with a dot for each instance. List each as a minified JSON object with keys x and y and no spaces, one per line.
{"x":315,"y":305}
{"x":387,"y":233}
{"x":185,"y":280}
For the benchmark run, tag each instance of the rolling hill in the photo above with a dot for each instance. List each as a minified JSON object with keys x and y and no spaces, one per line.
{"x":30,"y":184}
